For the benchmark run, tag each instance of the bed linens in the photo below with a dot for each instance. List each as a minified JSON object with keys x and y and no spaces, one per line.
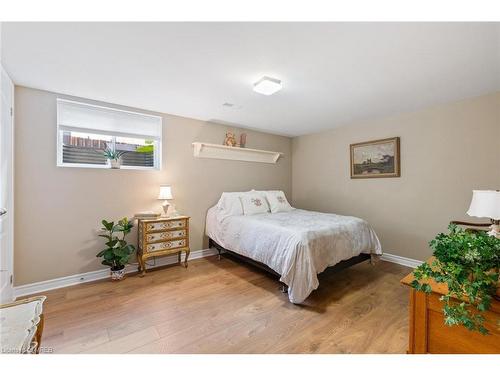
{"x":254,"y":203}
{"x":277,"y":201}
{"x":229,"y":205}
{"x":297,"y":244}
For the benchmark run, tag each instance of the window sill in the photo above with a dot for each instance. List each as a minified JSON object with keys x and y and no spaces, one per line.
{"x":99,"y":166}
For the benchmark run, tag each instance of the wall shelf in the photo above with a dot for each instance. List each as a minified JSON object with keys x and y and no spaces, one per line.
{"x":214,"y":151}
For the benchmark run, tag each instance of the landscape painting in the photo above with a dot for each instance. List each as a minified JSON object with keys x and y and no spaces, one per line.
{"x":373,"y":159}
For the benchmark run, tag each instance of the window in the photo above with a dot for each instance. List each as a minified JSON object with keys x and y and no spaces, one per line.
{"x":84,"y":131}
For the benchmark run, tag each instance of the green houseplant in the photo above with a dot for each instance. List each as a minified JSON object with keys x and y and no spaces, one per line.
{"x":114,"y":157}
{"x":468,"y":263}
{"x":117,"y":252}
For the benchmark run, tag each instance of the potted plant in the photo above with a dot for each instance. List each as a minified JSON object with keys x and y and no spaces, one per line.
{"x":468,"y":262}
{"x":117,"y":251}
{"x":114,"y":157}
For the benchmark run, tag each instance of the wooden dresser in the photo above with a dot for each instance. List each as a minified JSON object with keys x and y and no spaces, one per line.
{"x":429,"y":334}
{"x":162,"y":236}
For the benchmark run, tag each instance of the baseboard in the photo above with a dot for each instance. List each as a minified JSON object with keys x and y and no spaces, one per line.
{"x":408,"y":262}
{"x":61,"y":282}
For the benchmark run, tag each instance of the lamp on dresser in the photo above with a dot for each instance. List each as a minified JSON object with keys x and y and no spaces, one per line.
{"x":486,"y":203}
{"x":165,"y":194}
{"x":455,"y":295}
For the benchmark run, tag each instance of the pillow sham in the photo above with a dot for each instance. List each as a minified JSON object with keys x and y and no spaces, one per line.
{"x":278,"y":202}
{"x":229,"y":205}
{"x":254,"y":203}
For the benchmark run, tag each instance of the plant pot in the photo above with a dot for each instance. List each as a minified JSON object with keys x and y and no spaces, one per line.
{"x":114,"y":163}
{"x":118,"y":273}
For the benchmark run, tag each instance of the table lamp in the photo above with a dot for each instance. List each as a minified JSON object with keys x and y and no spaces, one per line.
{"x":165,"y":194}
{"x":486,"y":203}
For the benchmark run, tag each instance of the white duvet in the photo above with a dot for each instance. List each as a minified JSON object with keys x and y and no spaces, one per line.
{"x":297,"y":244}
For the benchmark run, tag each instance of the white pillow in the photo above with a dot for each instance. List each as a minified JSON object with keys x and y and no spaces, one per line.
{"x":229,"y":205}
{"x":278,"y":202}
{"x":254,"y":203}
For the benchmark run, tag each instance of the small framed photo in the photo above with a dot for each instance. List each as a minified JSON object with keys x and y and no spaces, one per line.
{"x":376,"y":159}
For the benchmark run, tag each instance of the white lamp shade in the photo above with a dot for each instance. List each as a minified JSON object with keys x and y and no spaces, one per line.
{"x":485,"y":203}
{"x":165,"y":192}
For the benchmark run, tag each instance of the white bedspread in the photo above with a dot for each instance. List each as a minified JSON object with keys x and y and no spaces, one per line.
{"x":298,"y":244}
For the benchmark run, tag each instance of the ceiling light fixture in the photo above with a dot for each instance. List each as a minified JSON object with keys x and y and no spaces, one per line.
{"x":267,"y":86}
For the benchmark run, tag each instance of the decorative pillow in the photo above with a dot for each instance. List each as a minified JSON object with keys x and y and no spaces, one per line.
{"x":229,"y":205}
{"x":278,"y":202}
{"x":254,"y":203}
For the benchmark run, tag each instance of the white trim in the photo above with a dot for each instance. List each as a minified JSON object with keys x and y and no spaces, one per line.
{"x":106,"y":166}
{"x":61,"y":282}
{"x":7,"y":292}
{"x":107,"y":108}
{"x":408,"y":262}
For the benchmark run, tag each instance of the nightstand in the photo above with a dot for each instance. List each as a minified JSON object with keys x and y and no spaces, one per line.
{"x":162,"y":236}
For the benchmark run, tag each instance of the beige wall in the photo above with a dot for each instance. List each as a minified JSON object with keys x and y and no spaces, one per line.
{"x":58,"y":210}
{"x":446,"y":152}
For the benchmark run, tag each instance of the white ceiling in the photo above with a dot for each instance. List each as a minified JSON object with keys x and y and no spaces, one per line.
{"x":333,"y":73}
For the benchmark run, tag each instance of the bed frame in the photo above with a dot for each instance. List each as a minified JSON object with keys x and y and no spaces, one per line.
{"x":284,"y":288}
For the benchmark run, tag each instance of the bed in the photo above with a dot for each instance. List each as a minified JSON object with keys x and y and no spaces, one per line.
{"x":296,"y":244}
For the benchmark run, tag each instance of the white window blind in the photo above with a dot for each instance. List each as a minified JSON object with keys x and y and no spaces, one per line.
{"x":86,"y":130}
{"x":78,"y":116}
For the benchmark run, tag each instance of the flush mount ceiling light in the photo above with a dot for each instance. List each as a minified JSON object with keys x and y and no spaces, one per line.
{"x":267,"y":86}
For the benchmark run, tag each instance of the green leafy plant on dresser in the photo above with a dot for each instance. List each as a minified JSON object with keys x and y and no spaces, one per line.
{"x":117,"y":252}
{"x":468,"y":263}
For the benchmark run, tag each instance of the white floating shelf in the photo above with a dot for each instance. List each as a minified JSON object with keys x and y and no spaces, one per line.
{"x":214,"y":151}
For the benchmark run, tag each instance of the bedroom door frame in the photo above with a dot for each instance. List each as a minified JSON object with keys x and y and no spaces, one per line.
{"x":6,"y":187}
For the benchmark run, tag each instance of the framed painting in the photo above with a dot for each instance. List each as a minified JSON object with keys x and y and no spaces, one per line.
{"x":375,"y":159}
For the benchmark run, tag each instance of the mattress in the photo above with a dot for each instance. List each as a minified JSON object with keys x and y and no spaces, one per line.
{"x":297,"y":244}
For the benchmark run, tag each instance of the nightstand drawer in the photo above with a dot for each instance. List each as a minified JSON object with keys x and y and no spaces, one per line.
{"x":163,"y":225}
{"x":159,"y":246}
{"x":162,"y":236}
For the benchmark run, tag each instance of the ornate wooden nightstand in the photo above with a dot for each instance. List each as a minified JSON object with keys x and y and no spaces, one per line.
{"x":162,"y":236}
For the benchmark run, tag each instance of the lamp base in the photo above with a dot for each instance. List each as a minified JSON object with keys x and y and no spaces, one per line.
{"x":165,"y":207}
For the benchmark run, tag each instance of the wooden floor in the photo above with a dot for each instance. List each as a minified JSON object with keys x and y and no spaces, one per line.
{"x":227,"y":307}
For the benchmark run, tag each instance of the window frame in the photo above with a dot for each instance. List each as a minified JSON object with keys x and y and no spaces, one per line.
{"x":157,"y":164}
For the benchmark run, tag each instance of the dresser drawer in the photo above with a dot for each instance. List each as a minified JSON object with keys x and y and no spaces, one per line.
{"x":162,"y":236}
{"x":163,"y":225}
{"x":159,"y":246}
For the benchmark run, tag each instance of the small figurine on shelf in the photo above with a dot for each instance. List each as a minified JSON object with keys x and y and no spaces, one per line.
{"x":243,"y":140}
{"x":230,"y":139}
